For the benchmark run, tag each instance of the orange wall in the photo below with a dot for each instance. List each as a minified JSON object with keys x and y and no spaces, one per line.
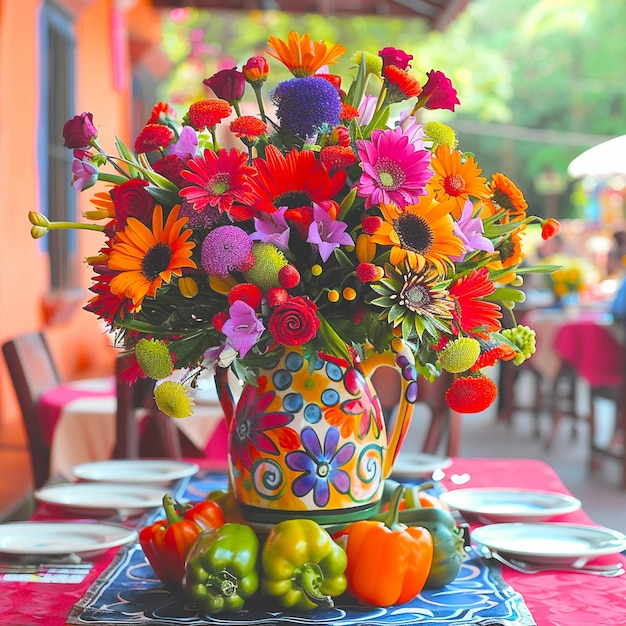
{"x":79,"y":342}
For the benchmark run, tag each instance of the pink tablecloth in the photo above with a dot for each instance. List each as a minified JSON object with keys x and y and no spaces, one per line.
{"x":554,"y":598}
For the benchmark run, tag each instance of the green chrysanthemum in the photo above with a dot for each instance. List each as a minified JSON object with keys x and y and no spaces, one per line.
{"x":373,"y":62}
{"x":524,"y":339}
{"x":459,"y":355}
{"x":269,"y":260}
{"x":441,"y":134}
{"x":173,"y":399}
{"x":154,"y":358}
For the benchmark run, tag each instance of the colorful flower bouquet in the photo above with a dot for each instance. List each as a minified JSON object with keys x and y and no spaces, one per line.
{"x":328,"y":224}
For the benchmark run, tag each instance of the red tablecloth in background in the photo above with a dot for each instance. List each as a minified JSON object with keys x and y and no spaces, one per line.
{"x":554,"y":598}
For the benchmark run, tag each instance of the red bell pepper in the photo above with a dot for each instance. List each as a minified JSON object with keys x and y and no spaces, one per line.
{"x":167,"y":542}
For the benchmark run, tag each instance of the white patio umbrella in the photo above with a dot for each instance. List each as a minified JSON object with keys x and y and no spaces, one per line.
{"x":606,"y":159}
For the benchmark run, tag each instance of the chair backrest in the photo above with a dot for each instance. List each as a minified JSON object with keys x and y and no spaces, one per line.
{"x":33,"y":371}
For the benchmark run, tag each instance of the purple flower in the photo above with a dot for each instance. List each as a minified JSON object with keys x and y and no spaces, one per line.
{"x":367,"y":108}
{"x":224,"y":249}
{"x":84,"y":176}
{"x":470,"y":231}
{"x":327,"y":233}
{"x":187,"y":144}
{"x":320,"y":468}
{"x":304,"y":105}
{"x":273,"y":230}
{"x":244,"y":328}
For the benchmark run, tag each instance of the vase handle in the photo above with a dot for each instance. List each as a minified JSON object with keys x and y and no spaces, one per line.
{"x":224,"y":393}
{"x":404,"y":363}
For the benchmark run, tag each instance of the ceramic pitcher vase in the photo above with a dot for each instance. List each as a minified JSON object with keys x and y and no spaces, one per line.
{"x":313,"y":443}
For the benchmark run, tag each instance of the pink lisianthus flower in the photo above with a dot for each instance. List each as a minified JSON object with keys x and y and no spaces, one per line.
{"x":84,"y":175}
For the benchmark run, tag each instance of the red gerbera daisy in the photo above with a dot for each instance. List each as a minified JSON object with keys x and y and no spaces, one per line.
{"x":348,"y":112}
{"x":400,"y":85}
{"x":474,"y":315}
{"x":295,"y":180}
{"x":219,"y":180}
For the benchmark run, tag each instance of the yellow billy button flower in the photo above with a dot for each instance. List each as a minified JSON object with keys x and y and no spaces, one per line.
{"x":316,"y":269}
{"x":173,"y":399}
{"x":188,"y":287}
{"x":333,"y":295}
{"x":154,"y":358}
{"x":349,"y":294}
{"x":459,"y":355}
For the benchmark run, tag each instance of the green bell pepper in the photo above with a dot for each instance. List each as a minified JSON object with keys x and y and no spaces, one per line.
{"x":221,"y":569}
{"x":301,"y":566}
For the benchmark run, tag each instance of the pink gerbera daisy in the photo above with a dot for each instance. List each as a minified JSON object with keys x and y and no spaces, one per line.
{"x":394,"y":169}
{"x":218,"y":179}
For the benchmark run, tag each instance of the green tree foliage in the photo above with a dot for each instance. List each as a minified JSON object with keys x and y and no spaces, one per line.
{"x":539,"y":80}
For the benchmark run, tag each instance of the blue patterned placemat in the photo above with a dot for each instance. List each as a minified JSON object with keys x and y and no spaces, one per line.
{"x":131,"y":594}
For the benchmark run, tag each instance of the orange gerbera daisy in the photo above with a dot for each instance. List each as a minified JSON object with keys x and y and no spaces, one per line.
{"x":301,"y":56}
{"x":421,"y":234}
{"x":147,"y":258}
{"x":511,"y":255}
{"x":507,"y":195}
{"x":457,"y":178}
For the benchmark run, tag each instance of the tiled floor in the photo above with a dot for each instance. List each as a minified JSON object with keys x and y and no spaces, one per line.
{"x":483,"y":436}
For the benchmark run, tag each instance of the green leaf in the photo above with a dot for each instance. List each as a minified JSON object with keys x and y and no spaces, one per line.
{"x":334,"y":341}
{"x":163,"y":196}
{"x":343,"y":259}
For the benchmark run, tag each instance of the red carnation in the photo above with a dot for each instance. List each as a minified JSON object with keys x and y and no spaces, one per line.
{"x":153,"y":137}
{"x":295,"y":322}
{"x":130,"y":199}
{"x":170,"y":167}
{"x":471,"y":395}
{"x":248,"y":293}
{"x":161,"y":111}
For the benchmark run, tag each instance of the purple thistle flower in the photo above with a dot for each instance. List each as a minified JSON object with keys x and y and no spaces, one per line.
{"x":470,"y":231}
{"x":274,"y":230}
{"x":305,"y":104}
{"x":244,"y":328}
{"x":327,"y":233}
{"x":224,"y":249}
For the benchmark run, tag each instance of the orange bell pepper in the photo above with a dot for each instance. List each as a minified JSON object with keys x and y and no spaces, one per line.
{"x":388,"y":562}
{"x":167,"y":542}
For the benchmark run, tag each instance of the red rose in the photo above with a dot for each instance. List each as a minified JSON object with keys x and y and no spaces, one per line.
{"x":294,"y":322}
{"x":228,"y":85}
{"x":438,"y":92}
{"x":394,"y":56}
{"x":79,"y":131}
{"x":170,"y":167}
{"x":131,"y":199}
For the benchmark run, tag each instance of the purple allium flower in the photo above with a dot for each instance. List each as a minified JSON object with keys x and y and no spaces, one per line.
{"x":273,"y":230}
{"x":470,"y":231}
{"x":206,"y":218}
{"x":305,"y":104}
{"x":84,"y":176}
{"x":187,"y":144}
{"x":224,"y":249}
{"x":244,"y":328}
{"x":327,"y":233}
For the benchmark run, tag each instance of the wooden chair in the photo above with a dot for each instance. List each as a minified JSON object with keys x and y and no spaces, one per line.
{"x":33,"y":371}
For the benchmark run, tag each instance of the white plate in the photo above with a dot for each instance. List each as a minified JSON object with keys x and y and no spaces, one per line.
{"x":509,"y":505}
{"x":62,"y":538}
{"x":418,"y":465}
{"x":135,"y":471}
{"x":550,"y":542}
{"x":101,"y":497}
